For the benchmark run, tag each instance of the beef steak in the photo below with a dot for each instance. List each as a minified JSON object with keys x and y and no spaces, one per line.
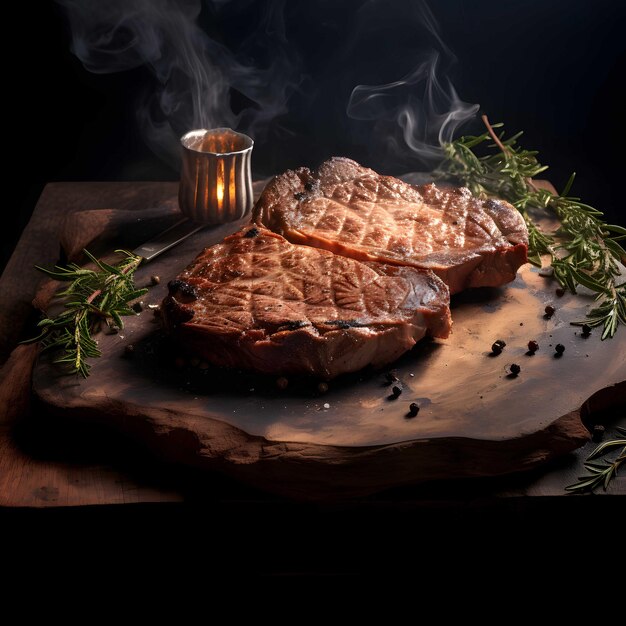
{"x":258,"y":302}
{"x":355,"y":212}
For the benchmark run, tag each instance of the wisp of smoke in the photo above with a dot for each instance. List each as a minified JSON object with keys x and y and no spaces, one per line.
{"x":426,"y":110}
{"x":420,"y":111}
{"x":194,"y":74}
{"x":196,"y":78}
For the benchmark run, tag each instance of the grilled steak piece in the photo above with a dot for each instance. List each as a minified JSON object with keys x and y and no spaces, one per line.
{"x":258,"y":302}
{"x":355,"y":212}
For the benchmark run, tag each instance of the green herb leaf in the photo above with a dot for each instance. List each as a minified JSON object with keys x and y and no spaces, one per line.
{"x":91,"y":298}
{"x":601,"y":472}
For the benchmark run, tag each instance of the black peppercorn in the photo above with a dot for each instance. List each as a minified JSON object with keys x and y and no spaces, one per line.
{"x":282,"y":383}
{"x":497,"y":346}
{"x":413,"y":409}
{"x":586,"y":330}
{"x":155,"y":280}
{"x":549,"y":311}
{"x":559,"y":348}
{"x":533,"y":346}
{"x":560,"y":292}
{"x":515,"y":369}
{"x":396,"y":390}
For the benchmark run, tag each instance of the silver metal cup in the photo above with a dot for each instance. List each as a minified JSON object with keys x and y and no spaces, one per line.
{"x":216,"y":180}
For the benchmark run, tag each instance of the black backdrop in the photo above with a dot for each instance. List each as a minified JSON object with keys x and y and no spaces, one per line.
{"x":552,"y":68}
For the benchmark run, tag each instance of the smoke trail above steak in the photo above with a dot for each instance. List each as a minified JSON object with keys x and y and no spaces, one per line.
{"x":194,"y":75}
{"x":284,"y":73}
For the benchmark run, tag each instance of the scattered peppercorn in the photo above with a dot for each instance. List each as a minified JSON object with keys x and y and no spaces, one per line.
{"x":497,"y":346}
{"x":586,"y":330}
{"x":322,"y":387}
{"x":559,"y":348}
{"x":560,"y":292}
{"x":282,"y":383}
{"x":155,"y":280}
{"x":549,"y":311}
{"x":138,"y":307}
{"x":129,"y":350}
{"x":515,"y":369}
{"x":598,"y":433}
{"x":396,"y":390}
{"x":413,"y":409}
{"x":533,"y":346}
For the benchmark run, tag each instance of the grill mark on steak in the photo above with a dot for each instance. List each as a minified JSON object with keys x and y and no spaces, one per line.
{"x":358,"y":213}
{"x":274,"y":307}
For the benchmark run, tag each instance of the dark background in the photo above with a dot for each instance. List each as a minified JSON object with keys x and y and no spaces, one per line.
{"x":553,"y":69}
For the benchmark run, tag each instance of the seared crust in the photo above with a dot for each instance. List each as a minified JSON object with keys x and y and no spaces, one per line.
{"x":353,"y":211}
{"x":258,"y":302}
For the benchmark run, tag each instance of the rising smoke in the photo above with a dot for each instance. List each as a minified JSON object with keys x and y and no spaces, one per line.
{"x":419,"y":111}
{"x":261,"y":80}
{"x":194,"y":75}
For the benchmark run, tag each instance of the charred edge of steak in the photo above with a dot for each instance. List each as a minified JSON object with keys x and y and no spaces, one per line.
{"x":311,"y":190}
{"x":344,"y":324}
{"x":494,"y":204}
{"x":252,"y":233}
{"x":182,"y":291}
{"x":294,"y":325}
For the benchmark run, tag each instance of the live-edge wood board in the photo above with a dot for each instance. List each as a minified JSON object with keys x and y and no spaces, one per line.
{"x":475,"y":419}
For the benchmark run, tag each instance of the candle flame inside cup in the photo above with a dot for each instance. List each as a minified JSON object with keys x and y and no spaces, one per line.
{"x":216,"y":183}
{"x":220,"y":183}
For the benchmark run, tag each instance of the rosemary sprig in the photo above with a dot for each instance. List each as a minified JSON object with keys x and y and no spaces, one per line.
{"x":601,"y":472}
{"x":92,"y":298}
{"x":584,"y":250}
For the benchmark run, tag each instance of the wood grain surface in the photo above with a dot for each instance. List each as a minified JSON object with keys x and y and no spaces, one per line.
{"x":30,"y":481}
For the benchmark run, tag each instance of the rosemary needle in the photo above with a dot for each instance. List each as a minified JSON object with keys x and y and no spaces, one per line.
{"x":603,"y":471}
{"x":92,"y":298}
{"x":584,"y":250}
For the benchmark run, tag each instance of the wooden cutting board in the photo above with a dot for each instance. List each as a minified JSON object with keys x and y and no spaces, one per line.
{"x":474,"y":419}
